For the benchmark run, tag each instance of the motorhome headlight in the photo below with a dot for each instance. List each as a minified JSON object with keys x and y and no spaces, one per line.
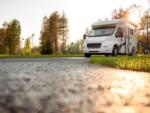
{"x":105,"y":46}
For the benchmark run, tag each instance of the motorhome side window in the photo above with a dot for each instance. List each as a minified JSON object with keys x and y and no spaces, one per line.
{"x":119,"y":32}
{"x":131,"y":31}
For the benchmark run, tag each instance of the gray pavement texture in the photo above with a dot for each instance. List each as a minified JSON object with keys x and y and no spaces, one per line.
{"x":70,"y":85}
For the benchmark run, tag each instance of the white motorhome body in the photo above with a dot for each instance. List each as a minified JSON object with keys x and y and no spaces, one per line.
{"x":114,"y":37}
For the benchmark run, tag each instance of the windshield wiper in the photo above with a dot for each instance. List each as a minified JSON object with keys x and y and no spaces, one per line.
{"x":109,"y":34}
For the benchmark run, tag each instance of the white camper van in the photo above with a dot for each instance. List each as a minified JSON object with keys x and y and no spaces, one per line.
{"x":111,"y":37}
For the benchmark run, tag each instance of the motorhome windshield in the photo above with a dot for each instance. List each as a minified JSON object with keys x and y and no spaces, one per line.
{"x":102,"y":31}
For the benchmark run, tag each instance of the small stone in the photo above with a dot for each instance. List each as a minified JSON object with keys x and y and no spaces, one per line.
{"x":72,"y":91}
{"x":27,"y":79}
{"x":100,"y":87}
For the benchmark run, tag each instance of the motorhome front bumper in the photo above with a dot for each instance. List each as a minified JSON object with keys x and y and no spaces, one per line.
{"x":96,"y":48}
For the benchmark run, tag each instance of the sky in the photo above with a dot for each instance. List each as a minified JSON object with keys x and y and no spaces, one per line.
{"x":80,"y":13}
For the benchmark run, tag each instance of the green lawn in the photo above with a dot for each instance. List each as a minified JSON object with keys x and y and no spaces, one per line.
{"x":41,"y":56}
{"x":137,"y":63}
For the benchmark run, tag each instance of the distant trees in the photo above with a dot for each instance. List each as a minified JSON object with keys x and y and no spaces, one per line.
{"x":144,"y":32}
{"x":54,"y":33}
{"x":75,"y":47}
{"x":123,"y":13}
{"x":2,"y":40}
{"x":120,"y":13}
{"x":53,"y":36}
{"x":10,"y":37}
{"x":36,"y":50}
{"x":27,"y":47}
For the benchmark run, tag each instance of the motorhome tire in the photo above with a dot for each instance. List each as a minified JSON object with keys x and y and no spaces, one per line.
{"x":115,"y":51}
{"x":87,"y":55}
{"x":106,"y":55}
{"x":133,"y":52}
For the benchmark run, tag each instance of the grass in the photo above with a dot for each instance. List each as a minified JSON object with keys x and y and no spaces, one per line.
{"x":137,"y":63}
{"x":40,"y":56}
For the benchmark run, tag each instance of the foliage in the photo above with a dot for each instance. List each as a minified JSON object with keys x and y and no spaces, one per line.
{"x":140,"y":63}
{"x":10,"y":37}
{"x":144,"y":33}
{"x":137,"y":63}
{"x":45,"y":42}
{"x":117,"y":14}
{"x":75,"y":47}
{"x":143,"y":22}
{"x":54,"y":30}
{"x":47,"y":49}
{"x":2,"y":41}
{"x":141,"y":45}
{"x":54,"y":33}
{"x":36,"y":50}
{"x":63,"y":32}
{"x":27,"y":48}
{"x":123,"y":13}
{"x":13,"y":32}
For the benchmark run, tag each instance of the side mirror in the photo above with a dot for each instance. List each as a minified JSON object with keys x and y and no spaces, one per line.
{"x":84,"y":36}
{"x":119,"y":34}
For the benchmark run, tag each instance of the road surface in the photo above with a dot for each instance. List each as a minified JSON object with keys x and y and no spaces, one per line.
{"x":70,"y":85}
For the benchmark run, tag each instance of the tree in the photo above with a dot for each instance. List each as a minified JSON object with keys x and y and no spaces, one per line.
{"x":27,"y":48}
{"x":117,"y":14}
{"x":10,"y":37}
{"x":144,"y":30}
{"x":76,"y":47}
{"x":143,"y":22}
{"x":54,"y":30}
{"x":45,"y":42}
{"x":124,"y":13}
{"x":2,"y":40}
{"x":54,"y":33}
{"x":36,"y":50}
{"x":13,"y":32}
{"x":63,"y":32}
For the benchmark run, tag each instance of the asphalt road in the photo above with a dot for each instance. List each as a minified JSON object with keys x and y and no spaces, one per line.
{"x":70,"y":85}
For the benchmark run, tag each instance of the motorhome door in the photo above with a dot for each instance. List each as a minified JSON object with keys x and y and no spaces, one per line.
{"x":128,"y":40}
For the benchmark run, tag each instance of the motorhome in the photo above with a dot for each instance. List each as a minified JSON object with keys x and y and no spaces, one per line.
{"x":111,"y":37}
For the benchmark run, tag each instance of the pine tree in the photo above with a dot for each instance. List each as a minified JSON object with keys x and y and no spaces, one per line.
{"x":27,"y":48}
{"x":121,"y":13}
{"x":2,"y":40}
{"x":12,"y":40}
{"x":45,"y":40}
{"x":54,"y":30}
{"x":124,"y":13}
{"x":63,"y":32}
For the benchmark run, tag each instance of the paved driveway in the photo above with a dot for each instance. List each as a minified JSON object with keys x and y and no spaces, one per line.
{"x":70,"y":85}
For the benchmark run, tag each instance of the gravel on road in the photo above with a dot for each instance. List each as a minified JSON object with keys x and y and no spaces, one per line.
{"x":70,"y":85}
